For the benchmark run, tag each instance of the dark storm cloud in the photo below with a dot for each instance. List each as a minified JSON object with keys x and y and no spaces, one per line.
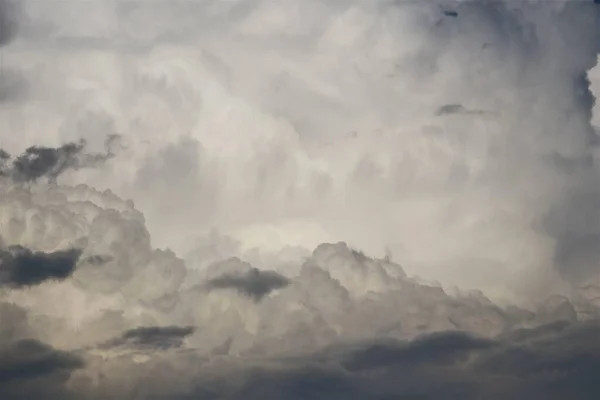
{"x":253,"y":283}
{"x":30,"y":369}
{"x":155,"y":337}
{"x":30,"y":358}
{"x":21,"y":267}
{"x":557,"y":361}
{"x":438,"y":348}
{"x":50,"y":162}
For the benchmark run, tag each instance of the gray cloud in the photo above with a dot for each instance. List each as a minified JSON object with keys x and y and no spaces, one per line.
{"x":574,"y":219}
{"x":37,"y":161}
{"x":12,"y":84}
{"x":450,"y":13}
{"x":50,"y":162}
{"x":449,"y":109}
{"x":21,"y":267}
{"x":8,"y":21}
{"x":97,"y":260}
{"x":14,"y":323}
{"x":153,"y":337}
{"x":30,"y":358}
{"x":253,"y":283}
{"x":558,"y":361}
{"x":436,"y":348}
{"x":30,"y":369}
{"x":4,"y":159}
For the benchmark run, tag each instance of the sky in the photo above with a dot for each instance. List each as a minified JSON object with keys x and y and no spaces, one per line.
{"x":227,"y":199}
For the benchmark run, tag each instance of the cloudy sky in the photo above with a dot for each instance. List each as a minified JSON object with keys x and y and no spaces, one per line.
{"x":317,"y":199}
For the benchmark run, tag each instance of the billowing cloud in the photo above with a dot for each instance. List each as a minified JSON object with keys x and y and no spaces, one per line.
{"x":313,"y":200}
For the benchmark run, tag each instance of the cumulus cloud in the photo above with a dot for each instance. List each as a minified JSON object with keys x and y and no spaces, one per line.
{"x":296,"y":179}
{"x":283,"y":121}
{"x":441,"y":344}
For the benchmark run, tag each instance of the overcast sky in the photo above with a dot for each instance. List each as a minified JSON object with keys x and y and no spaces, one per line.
{"x":227,"y":199}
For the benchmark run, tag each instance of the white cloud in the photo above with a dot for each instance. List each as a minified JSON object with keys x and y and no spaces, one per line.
{"x":263,"y":129}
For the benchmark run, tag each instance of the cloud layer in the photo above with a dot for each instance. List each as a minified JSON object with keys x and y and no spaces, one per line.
{"x":281,"y":187}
